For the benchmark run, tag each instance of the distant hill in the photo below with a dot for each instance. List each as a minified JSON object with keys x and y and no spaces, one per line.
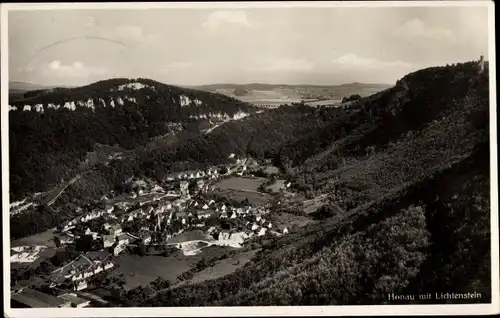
{"x":18,"y":89}
{"x":23,"y":86}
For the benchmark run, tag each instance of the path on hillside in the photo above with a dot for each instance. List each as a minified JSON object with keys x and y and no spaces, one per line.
{"x":231,"y":170}
{"x":319,"y":197}
{"x":70,"y":182}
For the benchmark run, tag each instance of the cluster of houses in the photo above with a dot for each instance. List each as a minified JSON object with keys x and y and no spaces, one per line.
{"x":165,"y":219}
{"x":211,"y":173}
{"x":240,"y":167}
{"x":150,"y":214}
{"x":157,"y":221}
{"x":77,"y":272}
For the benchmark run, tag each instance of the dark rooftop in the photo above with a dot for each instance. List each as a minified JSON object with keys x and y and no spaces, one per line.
{"x":74,"y":300}
{"x":36,"y":299}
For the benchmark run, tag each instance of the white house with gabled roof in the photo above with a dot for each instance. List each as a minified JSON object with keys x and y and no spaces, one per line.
{"x":262,"y":231}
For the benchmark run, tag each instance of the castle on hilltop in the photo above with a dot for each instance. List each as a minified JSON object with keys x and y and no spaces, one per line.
{"x":481,"y":64}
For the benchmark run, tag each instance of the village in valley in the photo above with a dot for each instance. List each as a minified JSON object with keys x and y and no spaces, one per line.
{"x":182,"y":220}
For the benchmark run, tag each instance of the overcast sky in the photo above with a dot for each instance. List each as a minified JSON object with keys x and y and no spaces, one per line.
{"x":201,"y":46}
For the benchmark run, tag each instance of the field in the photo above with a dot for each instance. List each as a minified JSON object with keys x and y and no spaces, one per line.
{"x":255,"y":198}
{"x":266,"y":97}
{"x":310,"y":206}
{"x":141,"y":270}
{"x":272,"y":170}
{"x":275,"y":95}
{"x":194,"y":235}
{"x":326,"y":102}
{"x":224,"y":267}
{"x":282,"y":219}
{"x":143,"y":198}
{"x":271,"y":101}
{"x":44,"y":238}
{"x":240,"y":183}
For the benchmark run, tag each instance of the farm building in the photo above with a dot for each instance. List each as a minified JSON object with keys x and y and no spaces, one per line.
{"x":66,"y":239}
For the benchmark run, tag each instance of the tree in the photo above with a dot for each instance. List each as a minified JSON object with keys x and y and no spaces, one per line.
{"x":223,"y":170}
{"x":84,"y":243}
{"x":141,"y":249}
{"x":324,"y":212}
{"x":245,"y":202}
{"x":353,"y":97}
{"x":57,"y":241}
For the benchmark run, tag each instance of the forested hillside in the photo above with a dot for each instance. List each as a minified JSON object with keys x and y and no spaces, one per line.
{"x":407,"y":176}
{"x":49,"y":143}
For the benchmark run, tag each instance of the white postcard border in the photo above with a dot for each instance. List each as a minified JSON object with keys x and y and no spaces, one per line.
{"x":375,"y":310}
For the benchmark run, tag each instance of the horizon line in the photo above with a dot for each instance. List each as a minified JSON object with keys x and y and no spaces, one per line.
{"x":197,"y":85}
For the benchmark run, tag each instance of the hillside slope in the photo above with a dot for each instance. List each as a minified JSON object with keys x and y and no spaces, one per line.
{"x":410,"y":171}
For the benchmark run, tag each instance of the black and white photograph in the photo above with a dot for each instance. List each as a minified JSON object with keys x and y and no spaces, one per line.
{"x":205,"y":159}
